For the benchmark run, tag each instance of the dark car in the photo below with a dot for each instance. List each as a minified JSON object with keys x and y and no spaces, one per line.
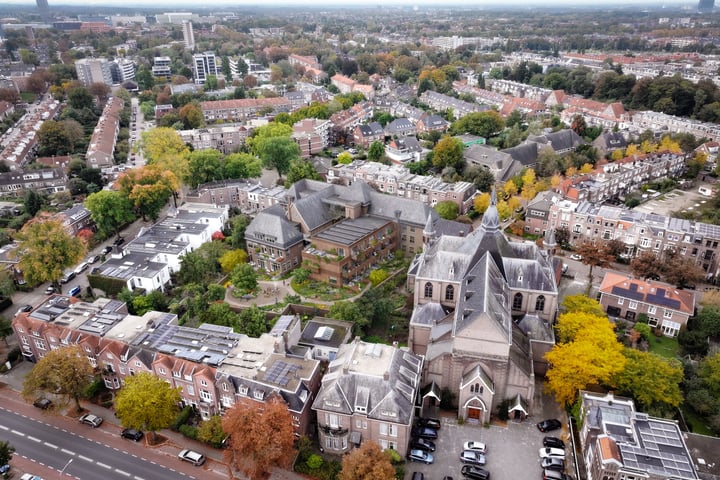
{"x":418,"y":476}
{"x":119,"y":241}
{"x":553,"y":442}
{"x":476,"y":473}
{"x":425,"y":432}
{"x":43,"y":403}
{"x":106,"y":250}
{"x":24,"y":308}
{"x":549,"y":424}
{"x":428,"y":422}
{"x":132,"y":434}
{"x":422,"y":444}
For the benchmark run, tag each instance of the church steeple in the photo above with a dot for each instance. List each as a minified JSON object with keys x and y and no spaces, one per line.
{"x":491,"y":218}
{"x":429,"y":231}
{"x":549,"y":242}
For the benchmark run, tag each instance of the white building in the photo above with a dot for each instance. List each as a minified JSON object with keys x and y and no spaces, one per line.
{"x":188,"y":34}
{"x":204,"y":65}
{"x":93,"y":70}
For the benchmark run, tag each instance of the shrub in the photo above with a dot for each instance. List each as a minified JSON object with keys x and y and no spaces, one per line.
{"x":182,"y":418}
{"x":95,"y":388}
{"x":315,"y":461}
{"x":189,"y":431}
{"x":14,"y":354}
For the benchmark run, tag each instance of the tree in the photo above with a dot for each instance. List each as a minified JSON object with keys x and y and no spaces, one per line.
{"x":239,"y":224}
{"x":680,"y":270}
{"x":300,"y":169}
{"x":594,"y":255}
{"x":480,"y":176}
{"x":709,"y":372}
{"x":5,"y":329}
{"x":645,"y":266}
{"x":267,"y":438}
{"x":376,"y":151}
{"x":204,"y":166}
{"x":484,"y":124}
{"x":481,"y":202}
{"x":65,"y":371}
{"x":588,"y":353}
{"x":277,"y":153}
{"x":165,"y":147}
{"x":149,"y":188}
{"x":110,"y":210}
{"x":448,"y":153}
{"x":301,"y":275}
{"x":6,"y":452}
{"x":244,"y":278}
{"x":367,"y":463}
{"x":47,"y":250}
{"x":344,"y":158}
{"x":191,"y":115}
{"x":33,"y":202}
{"x":232,"y":259}
{"x":448,"y":209}
{"x":350,"y":312}
{"x":582,"y":304}
{"x":241,"y":165}
{"x":251,"y":322}
{"x":653,"y":381}
{"x":377,"y":276}
{"x":147,"y":402}
{"x":211,"y":431}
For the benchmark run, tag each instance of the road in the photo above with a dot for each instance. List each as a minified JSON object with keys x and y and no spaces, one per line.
{"x":54,"y":444}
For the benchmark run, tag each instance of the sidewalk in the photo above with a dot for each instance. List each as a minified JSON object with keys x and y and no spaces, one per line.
{"x":175,"y":440}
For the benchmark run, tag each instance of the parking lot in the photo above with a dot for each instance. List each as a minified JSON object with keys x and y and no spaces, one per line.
{"x":512,"y":449}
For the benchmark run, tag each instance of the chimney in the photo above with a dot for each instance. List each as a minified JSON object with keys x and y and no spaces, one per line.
{"x":386,"y":375}
{"x":395,"y":344}
{"x":346,"y":369}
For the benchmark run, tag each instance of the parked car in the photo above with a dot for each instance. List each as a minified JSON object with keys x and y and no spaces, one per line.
{"x":474,"y":472}
{"x":472,"y":456}
{"x":420,"y":456}
{"x":118,"y":241}
{"x":106,"y":249}
{"x":5,"y":468}
{"x":553,"y":442}
{"x":132,"y":434}
{"x":192,"y":456}
{"x":418,"y":476}
{"x":92,"y":420}
{"x":75,"y":291}
{"x":428,"y":422}
{"x":549,"y":424}
{"x":49,"y":290}
{"x":92,"y":259}
{"x":477,"y":446}
{"x":554,"y":475}
{"x":24,"y":308}
{"x":30,"y":476}
{"x":67,"y":276}
{"x":422,"y":444}
{"x":575,"y":256}
{"x":42,"y":403}
{"x":551,"y":452}
{"x":81,"y":268}
{"x":425,"y":432}
{"x":553,"y":463}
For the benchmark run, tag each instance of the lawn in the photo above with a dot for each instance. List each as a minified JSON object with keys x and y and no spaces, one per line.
{"x":664,"y":346}
{"x":696,"y":424}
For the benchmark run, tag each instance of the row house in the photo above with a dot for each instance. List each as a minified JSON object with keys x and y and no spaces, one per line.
{"x":349,"y":250}
{"x":195,"y":381}
{"x":597,"y":114}
{"x":639,"y":231}
{"x":48,"y":180}
{"x":164,"y":109}
{"x":304,"y":61}
{"x":345,"y":121}
{"x":147,"y":261}
{"x":243,"y":108}
{"x":75,"y":219}
{"x":347,"y":85}
{"x":442,"y":103}
{"x":315,"y":75}
{"x":400,"y":127}
{"x":405,"y":110}
{"x":617,"y":442}
{"x":657,"y":121}
{"x":101,"y":150}
{"x":665,"y":307}
{"x":225,"y":138}
{"x":368,"y":394}
{"x":397,"y":180}
{"x":19,"y":145}
{"x":608,"y":142}
{"x":517,"y":89}
{"x":246,"y":196}
{"x":365,"y":135}
{"x":297,"y":100}
{"x":525,"y":106}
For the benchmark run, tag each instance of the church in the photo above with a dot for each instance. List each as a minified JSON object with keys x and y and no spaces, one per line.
{"x":482,"y":318}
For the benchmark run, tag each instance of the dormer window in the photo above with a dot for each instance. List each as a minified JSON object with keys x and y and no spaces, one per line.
{"x":259,"y":395}
{"x":243,"y":389}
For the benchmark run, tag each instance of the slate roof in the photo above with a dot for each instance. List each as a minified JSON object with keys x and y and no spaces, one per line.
{"x":272,"y":222}
{"x":525,"y":153}
{"x":399,"y":126}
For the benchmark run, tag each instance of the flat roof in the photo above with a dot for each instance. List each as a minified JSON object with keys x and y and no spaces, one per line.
{"x":351,"y":230}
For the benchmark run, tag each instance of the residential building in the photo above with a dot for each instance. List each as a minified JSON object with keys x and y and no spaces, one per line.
{"x":656,"y":121}
{"x":75,"y":219}
{"x":161,"y":67}
{"x":312,"y":135}
{"x":468,"y":293}
{"x":348,"y":85}
{"x":666,"y":307}
{"x":304,"y":61}
{"x":274,"y":243}
{"x":126,"y":69}
{"x":345,"y":121}
{"x":400,"y":127}
{"x":93,"y":70}
{"x":249,"y":197}
{"x":325,"y":336}
{"x":501,"y":164}
{"x":188,"y":34}
{"x":617,"y":442}
{"x":176,"y":18}
{"x":442,"y":103}
{"x":101,"y":150}
{"x":204,"y":65}
{"x":365,"y":135}
{"x":431,"y":123}
{"x":242,"y":109}
{"x":163,"y":109}
{"x":404,"y":149}
{"x":48,"y":180}
{"x":368,"y":394}
{"x":6,"y":109}
{"x":225,"y":138}
{"x":608,"y":142}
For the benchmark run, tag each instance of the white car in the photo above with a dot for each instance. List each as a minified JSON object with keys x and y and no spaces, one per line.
{"x":192,"y":456}
{"x":477,"y":446}
{"x":92,"y":420}
{"x":30,"y":476}
{"x":81,"y":268}
{"x":575,"y":256}
{"x":552,"y":452}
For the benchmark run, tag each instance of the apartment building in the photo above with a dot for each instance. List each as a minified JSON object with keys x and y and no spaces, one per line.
{"x":225,"y":138}
{"x":93,"y":70}
{"x":657,"y":121}
{"x":304,"y":61}
{"x":368,"y":394}
{"x":249,"y":197}
{"x":203,"y":66}
{"x":617,"y":442}
{"x":274,"y":243}
{"x":312,"y":136}
{"x":101,"y":150}
{"x":47,"y":180}
{"x":666,"y":307}
{"x":398,"y":181}
{"x":161,"y":67}
{"x":243,"y":109}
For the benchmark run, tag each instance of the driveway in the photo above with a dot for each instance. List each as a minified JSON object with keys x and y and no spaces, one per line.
{"x":512,"y":448}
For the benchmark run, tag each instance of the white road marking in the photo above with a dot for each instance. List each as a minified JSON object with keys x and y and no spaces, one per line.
{"x":82,"y":457}
{"x":17,"y":433}
{"x":122,"y":472}
{"x":104,"y":465}
{"x":50,"y":445}
{"x":34,"y":439}
{"x":69,"y":452}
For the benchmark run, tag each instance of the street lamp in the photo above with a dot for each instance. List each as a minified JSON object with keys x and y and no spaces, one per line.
{"x":62,"y":472}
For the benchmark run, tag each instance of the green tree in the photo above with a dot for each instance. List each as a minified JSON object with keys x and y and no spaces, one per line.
{"x":252,"y":322}
{"x":149,"y":188}
{"x":110,"y":210}
{"x":301,"y":275}
{"x":651,"y":380}
{"x":65,"y":371}
{"x":79,"y":98}
{"x":47,"y":250}
{"x":344,"y":158}
{"x":5,"y":329}
{"x":239,"y":224}
{"x":448,"y":210}
{"x":244,"y":278}
{"x":300,"y":169}
{"x":6,"y":452}
{"x":376,"y":151}
{"x":147,"y":402}
{"x":448,"y":153}
{"x":242,"y":165}
{"x":277,"y":153}
{"x":709,"y":372}
{"x":377,"y":276}
{"x":267,"y":438}
{"x":211,"y":431}
{"x":33,"y":202}
{"x":484,"y":124}
{"x":204,"y":166}
{"x":350,"y":312}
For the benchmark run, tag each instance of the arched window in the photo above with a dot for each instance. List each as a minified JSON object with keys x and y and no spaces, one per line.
{"x":540,"y":303}
{"x":481,"y":389}
{"x":517,"y":301}
{"x":428,"y":290}
{"x":450,"y":292}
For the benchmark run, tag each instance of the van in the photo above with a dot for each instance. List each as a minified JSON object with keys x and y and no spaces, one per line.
{"x":75,"y":291}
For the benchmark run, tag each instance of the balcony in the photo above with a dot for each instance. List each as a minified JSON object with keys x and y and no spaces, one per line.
{"x":333,"y":431}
